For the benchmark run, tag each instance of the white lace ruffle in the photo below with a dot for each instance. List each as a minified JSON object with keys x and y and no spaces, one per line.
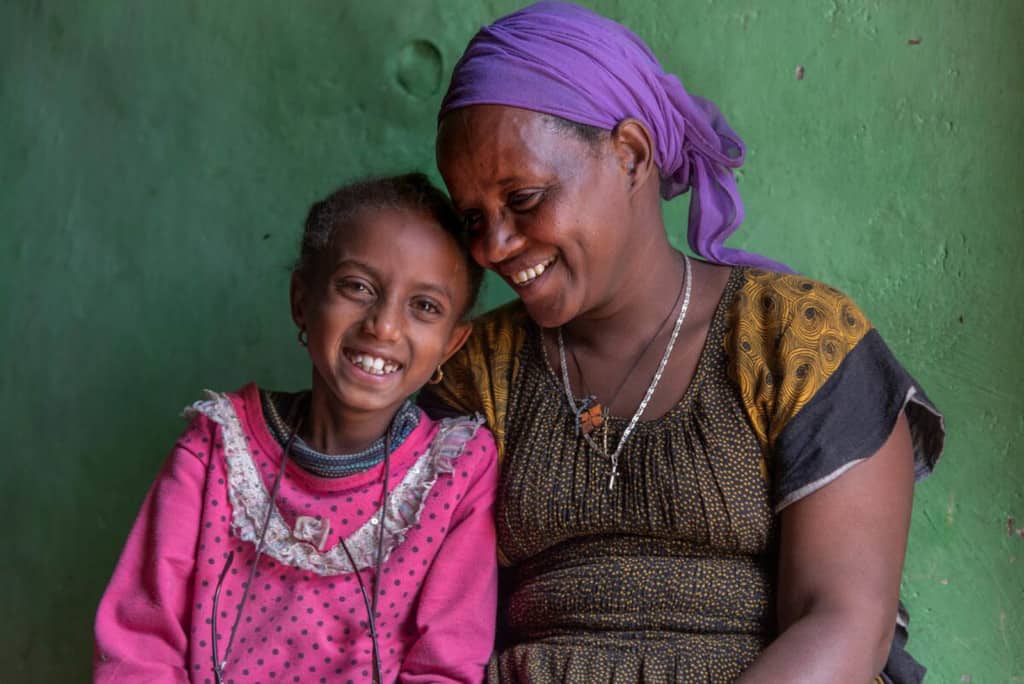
{"x":301,"y":547}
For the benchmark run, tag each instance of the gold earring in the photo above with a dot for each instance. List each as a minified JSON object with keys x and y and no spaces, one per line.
{"x":303,"y":337}
{"x":437,"y":377}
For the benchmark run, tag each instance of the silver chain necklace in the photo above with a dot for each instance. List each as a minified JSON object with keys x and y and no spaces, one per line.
{"x":614,"y":456}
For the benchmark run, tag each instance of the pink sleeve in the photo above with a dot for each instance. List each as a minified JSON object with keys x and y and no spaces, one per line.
{"x":455,"y":617}
{"x":142,"y":622}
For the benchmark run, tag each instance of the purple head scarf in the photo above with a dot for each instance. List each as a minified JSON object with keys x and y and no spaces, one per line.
{"x":561,"y":59}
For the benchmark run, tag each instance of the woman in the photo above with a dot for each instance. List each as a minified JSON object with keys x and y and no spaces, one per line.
{"x":707,"y":464}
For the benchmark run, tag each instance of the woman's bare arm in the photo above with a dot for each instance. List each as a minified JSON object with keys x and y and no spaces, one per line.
{"x":840,"y":562}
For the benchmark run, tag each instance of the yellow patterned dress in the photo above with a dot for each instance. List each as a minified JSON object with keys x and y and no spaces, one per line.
{"x":669,"y":576}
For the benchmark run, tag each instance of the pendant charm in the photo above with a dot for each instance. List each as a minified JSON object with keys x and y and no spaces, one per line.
{"x":589,"y":415}
{"x":611,"y":480}
{"x":591,"y":419}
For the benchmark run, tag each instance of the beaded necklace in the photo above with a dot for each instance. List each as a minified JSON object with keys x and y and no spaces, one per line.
{"x":275,"y":404}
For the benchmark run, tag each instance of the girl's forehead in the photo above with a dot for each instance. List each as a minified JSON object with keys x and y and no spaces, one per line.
{"x":385,"y":228}
{"x":405,"y":248}
{"x":391,"y":236}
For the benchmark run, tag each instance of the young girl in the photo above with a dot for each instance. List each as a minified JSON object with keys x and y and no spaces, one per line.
{"x":336,"y":534}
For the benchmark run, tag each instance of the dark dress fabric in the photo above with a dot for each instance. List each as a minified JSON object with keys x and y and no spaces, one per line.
{"x":669,"y":576}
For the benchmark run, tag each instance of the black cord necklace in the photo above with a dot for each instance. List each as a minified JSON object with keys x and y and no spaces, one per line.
{"x":296,"y":419}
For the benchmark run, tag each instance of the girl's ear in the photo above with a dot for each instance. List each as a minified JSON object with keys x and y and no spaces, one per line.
{"x":297,"y":295}
{"x":634,"y":147}
{"x":460,"y":333}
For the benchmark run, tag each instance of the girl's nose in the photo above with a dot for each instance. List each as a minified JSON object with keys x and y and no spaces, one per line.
{"x":384,"y":322}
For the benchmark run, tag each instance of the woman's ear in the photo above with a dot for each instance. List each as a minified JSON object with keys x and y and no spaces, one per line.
{"x":297,"y":296}
{"x":634,"y":147}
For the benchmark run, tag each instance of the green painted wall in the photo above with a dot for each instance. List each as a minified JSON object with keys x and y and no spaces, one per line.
{"x":156,"y":160}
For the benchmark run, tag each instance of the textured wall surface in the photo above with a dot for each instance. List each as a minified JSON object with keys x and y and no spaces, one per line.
{"x":156,"y":161}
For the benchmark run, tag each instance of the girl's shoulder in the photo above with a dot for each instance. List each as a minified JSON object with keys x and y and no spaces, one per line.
{"x":207,"y":416}
{"x":464,"y":439}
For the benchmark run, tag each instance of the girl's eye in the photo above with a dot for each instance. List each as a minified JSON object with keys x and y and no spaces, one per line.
{"x":525,"y":200}
{"x":354,"y":287}
{"x":427,"y":306}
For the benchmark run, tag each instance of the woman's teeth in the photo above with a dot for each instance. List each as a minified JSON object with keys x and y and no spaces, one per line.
{"x":531,"y":273}
{"x":374,"y":365}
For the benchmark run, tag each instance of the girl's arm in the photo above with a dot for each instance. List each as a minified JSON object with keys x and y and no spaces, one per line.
{"x":142,"y":623}
{"x":840,"y":561}
{"x":456,"y":613}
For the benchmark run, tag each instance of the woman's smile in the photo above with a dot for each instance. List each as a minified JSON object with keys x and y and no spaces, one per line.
{"x":544,"y":209}
{"x":527,"y":276}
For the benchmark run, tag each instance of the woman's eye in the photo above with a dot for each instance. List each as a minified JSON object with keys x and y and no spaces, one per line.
{"x":472,"y":221}
{"x":525,"y":200}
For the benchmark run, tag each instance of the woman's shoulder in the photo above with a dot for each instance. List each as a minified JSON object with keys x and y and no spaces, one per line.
{"x":502,"y":321}
{"x":774,"y":302}
{"x":477,"y":379}
{"x":787,"y":335}
{"x":786,"y":328}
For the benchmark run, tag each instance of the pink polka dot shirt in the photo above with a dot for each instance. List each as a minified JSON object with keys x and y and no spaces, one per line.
{"x":305,"y":619}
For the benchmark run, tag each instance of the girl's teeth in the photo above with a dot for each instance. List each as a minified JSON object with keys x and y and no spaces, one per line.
{"x":374,"y":365}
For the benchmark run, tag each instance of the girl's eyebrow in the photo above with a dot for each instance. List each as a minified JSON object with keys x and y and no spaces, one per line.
{"x":440,"y":290}
{"x":349,"y":261}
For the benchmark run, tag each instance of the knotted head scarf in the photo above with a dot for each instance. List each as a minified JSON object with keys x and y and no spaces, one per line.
{"x":561,"y":59}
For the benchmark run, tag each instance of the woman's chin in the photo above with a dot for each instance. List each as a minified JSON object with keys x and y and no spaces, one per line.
{"x":549,"y":313}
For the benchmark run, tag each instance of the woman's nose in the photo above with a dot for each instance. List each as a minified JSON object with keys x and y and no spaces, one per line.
{"x":500,"y":239}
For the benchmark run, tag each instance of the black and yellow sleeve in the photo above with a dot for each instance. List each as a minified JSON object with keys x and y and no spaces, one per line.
{"x":820,"y":386}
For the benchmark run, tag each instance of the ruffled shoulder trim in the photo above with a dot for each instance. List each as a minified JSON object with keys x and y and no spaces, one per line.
{"x":298,"y":546}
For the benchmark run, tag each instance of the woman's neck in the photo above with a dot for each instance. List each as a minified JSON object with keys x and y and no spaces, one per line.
{"x":638,"y":307}
{"x":331,"y":429}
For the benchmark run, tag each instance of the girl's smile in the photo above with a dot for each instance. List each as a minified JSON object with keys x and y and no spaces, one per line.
{"x":371,"y":364}
{"x":382,"y":311}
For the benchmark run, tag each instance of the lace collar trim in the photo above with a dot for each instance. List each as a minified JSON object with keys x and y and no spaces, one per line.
{"x":302,"y":546}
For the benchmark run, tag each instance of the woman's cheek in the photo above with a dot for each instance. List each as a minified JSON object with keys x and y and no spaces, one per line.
{"x":476,"y":249}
